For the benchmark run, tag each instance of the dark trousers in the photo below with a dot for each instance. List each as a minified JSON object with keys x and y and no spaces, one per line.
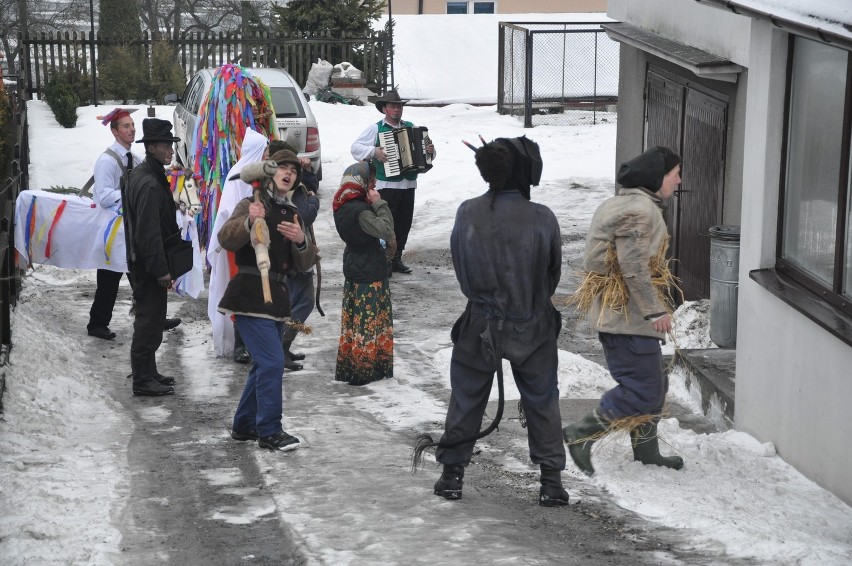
{"x":471,"y":378}
{"x":636,"y":363}
{"x":101,"y":312}
{"x":300,"y":288}
{"x":401,"y":204}
{"x":151,"y":300}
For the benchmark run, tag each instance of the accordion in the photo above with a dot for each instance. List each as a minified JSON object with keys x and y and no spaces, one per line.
{"x":406,"y":150}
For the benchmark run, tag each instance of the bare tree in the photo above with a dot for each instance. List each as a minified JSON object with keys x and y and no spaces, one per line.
{"x":36,"y":16}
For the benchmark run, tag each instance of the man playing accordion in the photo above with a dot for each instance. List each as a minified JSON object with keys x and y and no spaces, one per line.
{"x":397,"y":190}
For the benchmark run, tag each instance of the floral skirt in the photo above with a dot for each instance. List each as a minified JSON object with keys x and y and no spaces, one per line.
{"x":365,"y":352}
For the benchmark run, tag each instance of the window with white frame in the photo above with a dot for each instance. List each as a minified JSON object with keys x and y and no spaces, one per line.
{"x":815,"y":243}
{"x":478,"y":7}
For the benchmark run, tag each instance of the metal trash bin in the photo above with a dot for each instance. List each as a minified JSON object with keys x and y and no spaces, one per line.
{"x":724,"y":283}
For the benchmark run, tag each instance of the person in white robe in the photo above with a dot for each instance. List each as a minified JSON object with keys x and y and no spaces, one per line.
{"x":233,"y":191}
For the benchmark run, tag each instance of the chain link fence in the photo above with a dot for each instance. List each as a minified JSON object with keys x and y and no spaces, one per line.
{"x":557,"y":73}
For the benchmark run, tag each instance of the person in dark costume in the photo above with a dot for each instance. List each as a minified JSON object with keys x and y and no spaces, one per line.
{"x":624,"y":257}
{"x":507,"y":255}
{"x":151,"y":221}
{"x":363,"y":220}
{"x":278,"y":244}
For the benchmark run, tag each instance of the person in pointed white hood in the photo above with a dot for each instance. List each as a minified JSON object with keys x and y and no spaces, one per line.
{"x":233,"y":191}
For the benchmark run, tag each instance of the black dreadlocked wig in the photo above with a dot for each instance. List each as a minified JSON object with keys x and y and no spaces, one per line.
{"x":494,"y":162}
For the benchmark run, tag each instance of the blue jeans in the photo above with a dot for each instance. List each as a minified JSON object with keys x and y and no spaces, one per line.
{"x":261,"y":402}
{"x":636,"y":363}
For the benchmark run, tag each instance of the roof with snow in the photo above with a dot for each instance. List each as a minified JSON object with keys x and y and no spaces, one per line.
{"x":828,"y":20}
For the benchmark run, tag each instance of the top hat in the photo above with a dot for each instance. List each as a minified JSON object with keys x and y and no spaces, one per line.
{"x":156,"y":130}
{"x":389,"y":96}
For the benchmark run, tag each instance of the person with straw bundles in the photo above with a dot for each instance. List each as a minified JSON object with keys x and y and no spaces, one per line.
{"x":262,"y":310}
{"x":624,"y":292}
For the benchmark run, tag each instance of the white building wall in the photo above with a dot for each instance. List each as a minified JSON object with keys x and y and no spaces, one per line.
{"x":793,"y":379}
{"x":719,"y":32}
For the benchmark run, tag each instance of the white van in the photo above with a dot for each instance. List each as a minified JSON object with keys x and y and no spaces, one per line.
{"x":296,"y":123}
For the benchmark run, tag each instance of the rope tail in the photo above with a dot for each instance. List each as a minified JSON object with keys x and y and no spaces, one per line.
{"x":424,"y":441}
{"x":319,"y":278}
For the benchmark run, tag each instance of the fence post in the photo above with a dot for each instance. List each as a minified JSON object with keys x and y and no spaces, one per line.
{"x":528,"y":56}
{"x":94,"y":66}
{"x":501,"y":62}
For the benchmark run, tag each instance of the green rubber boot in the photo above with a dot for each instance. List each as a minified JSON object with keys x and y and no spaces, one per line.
{"x":580,"y":436}
{"x":646,"y":448}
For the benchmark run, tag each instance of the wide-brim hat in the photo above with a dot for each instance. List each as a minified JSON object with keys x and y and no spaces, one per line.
{"x":156,"y":130}
{"x":389,"y":96}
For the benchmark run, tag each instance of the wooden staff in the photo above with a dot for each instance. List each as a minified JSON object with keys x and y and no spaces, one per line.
{"x":261,"y":249}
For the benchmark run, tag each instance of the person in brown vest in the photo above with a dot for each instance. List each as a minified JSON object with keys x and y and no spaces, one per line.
{"x":260,"y":323}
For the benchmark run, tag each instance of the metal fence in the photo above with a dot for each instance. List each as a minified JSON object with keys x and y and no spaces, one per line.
{"x":13,"y":179}
{"x":43,"y":54}
{"x":557,"y":73}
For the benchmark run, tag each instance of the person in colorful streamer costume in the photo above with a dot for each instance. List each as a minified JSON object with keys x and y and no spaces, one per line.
{"x":235,"y":103}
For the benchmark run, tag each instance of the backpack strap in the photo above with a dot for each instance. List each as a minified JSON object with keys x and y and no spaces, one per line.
{"x":84,"y":192}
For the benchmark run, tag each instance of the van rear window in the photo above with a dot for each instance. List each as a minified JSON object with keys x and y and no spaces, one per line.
{"x":286,"y":102}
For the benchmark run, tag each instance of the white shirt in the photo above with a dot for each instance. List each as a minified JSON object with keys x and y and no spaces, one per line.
{"x":106,"y":191}
{"x":364,"y":148}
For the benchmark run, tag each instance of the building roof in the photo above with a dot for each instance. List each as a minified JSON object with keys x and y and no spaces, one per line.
{"x":827,"y":20}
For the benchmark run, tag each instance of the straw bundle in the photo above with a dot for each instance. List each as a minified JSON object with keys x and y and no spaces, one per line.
{"x":611,"y":288}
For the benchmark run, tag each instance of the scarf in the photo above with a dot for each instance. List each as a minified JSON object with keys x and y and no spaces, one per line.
{"x":353,"y":185}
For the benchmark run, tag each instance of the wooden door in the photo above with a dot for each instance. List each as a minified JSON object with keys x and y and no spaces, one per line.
{"x":691,"y":121}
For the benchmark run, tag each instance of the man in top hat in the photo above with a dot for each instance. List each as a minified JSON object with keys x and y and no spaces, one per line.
{"x":150,"y":219}
{"x":397,"y":191}
{"x":112,"y":168}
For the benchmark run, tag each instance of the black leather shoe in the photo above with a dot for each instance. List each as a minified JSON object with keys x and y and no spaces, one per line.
{"x":164,"y":379}
{"x":150,"y":387}
{"x":298,"y":356}
{"x":160,"y":378}
{"x":102,"y":332}
{"x":293,"y":366}
{"x":241,"y":355}
{"x":399,"y":267}
{"x":244,"y":435}
{"x":171,"y":323}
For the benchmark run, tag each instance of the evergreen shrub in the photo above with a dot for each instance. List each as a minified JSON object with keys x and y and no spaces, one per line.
{"x":62,"y":99}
